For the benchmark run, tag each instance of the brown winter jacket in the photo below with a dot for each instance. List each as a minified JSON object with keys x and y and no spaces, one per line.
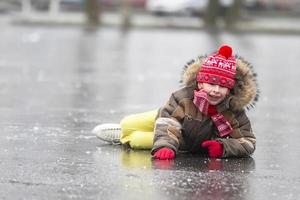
{"x":181,"y":126}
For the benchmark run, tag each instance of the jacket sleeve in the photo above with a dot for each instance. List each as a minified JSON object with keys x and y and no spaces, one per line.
{"x":167,"y":130}
{"x":242,"y":141}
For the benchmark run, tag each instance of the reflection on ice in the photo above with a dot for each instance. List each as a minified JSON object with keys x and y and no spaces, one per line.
{"x":31,"y":38}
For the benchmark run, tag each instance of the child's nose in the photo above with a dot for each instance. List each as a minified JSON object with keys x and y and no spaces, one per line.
{"x":216,"y":88}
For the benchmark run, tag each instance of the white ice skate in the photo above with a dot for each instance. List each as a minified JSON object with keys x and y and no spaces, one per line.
{"x":108,"y":132}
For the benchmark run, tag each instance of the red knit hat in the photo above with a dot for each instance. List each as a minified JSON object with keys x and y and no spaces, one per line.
{"x":219,"y":68}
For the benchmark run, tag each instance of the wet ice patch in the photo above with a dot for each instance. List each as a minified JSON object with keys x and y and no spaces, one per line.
{"x":87,"y":137}
{"x":13,"y":138}
{"x":141,"y":77}
{"x":3,"y":63}
{"x":111,"y":111}
{"x":31,"y":38}
{"x":41,"y":77}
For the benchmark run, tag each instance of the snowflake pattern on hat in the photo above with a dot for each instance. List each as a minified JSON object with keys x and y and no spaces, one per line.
{"x":219,"y":68}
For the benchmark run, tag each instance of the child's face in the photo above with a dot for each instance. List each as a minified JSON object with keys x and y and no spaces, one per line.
{"x":215,"y":93}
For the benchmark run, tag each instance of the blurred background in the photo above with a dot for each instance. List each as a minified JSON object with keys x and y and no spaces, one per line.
{"x":69,"y":65}
{"x":163,"y":13}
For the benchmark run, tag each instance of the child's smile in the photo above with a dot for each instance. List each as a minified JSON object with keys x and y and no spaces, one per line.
{"x":215,"y":93}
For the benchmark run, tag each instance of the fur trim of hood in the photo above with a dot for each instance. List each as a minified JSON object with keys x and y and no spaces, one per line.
{"x":245,"y":92}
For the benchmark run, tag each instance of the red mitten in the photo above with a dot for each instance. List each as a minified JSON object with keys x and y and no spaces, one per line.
{"x":215,"y":149}
{"x":164,"y":154}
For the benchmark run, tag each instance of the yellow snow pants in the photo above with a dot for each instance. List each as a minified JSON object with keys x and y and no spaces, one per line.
{"x":138,"y":130}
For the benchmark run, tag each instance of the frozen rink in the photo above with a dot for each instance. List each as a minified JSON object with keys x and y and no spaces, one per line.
{"x":56,"y":84}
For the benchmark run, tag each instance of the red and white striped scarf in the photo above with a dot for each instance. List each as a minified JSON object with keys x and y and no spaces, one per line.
{"x":201,"y":102}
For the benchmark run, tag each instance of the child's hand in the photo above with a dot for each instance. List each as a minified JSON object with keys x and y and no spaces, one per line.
{"x":164,"y":154}
{"x":215,"y":149}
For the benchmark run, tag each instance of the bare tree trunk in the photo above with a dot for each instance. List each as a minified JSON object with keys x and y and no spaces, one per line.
{"x":126,"y":14}
{"x":92,"y":10}
{"x":54,"y":7}
{"x":26,"y":7}
{"x":211,"y":14}
{"x":233,"y":13}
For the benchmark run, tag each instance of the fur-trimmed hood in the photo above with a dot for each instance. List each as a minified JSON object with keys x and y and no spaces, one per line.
{"x":245,"y":92}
